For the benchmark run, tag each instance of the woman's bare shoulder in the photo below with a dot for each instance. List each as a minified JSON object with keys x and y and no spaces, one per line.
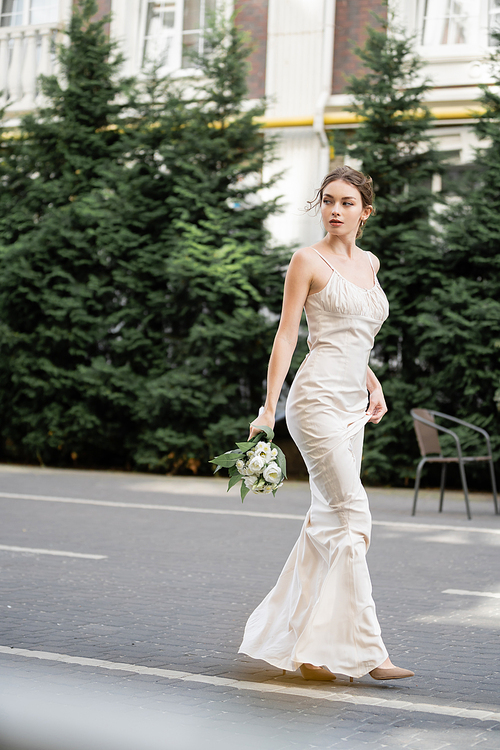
{"x":301,"y":259}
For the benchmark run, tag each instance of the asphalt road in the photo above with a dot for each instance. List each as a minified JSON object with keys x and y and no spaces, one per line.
{"x":124,"y":598}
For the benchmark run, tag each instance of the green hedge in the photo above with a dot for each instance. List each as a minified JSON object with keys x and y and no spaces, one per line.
{"x":137,"y":277}
{"x":439,"y":263}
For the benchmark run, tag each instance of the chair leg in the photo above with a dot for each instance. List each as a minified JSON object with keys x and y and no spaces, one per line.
{"x":443,"y":481}
{"x":493,"y":485}
{"x":417,"y":485}
{"x":464,"y":485}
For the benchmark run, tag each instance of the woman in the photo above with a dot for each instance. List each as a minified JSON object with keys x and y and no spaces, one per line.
{"x":320,"y":616}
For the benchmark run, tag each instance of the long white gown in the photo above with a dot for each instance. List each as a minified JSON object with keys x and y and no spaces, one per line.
{"x":321,"y":610}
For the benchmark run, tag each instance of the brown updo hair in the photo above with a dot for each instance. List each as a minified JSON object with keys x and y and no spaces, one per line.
{"x":362,"y":182}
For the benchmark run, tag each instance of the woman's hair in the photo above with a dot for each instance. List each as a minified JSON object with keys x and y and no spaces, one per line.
{"x":360,"y":181}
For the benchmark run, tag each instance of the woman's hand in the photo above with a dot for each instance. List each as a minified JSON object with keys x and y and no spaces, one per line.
{"x":266,"y":418}
{"x":377,"y":406}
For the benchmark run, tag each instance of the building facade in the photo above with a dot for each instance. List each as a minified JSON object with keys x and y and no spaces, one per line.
{"x":302,"y":54}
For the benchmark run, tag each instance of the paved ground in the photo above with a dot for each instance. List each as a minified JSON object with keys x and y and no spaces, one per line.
{"x":129,"y":639}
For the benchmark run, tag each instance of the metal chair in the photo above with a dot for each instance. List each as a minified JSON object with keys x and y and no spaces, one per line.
{"x":428,"y":442}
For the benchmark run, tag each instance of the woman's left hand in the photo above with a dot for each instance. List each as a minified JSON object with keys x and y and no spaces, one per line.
{"x":377,"y":406}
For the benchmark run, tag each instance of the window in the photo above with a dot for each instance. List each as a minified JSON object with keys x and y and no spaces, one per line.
{"x":456,"y":24}
{"x":12,"y":13}
{"x":172,"y":28}
{"x":493,"y":20}
{"x":43,"y":11}
{"x":24,"y":12}
{"x":195,"y":13}
{"x":447,"y":22}
{"x":160,"y":33}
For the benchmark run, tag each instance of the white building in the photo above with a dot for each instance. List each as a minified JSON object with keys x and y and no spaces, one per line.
{"x":302,"y":54}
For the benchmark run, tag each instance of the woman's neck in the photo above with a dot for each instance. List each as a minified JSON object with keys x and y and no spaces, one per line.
{"x":345,"y":246}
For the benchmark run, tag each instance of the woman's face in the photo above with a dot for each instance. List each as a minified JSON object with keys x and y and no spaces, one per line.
{"x":342,"y":208}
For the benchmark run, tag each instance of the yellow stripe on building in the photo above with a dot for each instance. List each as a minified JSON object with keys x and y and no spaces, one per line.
{"x":446,"y":112}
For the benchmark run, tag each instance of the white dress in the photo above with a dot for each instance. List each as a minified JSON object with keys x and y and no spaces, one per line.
{"x":321,"y":610}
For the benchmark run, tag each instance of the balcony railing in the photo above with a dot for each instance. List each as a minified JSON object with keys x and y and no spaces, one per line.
{"x":25,"y":53}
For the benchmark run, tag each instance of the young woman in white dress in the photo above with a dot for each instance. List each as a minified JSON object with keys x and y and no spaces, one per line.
{"x":320,"y":617}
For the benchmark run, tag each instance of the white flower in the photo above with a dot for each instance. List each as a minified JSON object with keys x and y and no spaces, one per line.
{"x":274,"y":453}
{"x":250,"y":481}
{"x":241,"y":467}
{"x":263,"y":449}
{"x":259,"y":485}
{"x":250,"y":454}
{"x":276,"y":486}
{"x":255,"y":465}
{"x":272,"y":473}
{"x":265,"y":490}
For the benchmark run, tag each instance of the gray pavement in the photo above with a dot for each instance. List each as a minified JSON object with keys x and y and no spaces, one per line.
{"x":133,"y":632}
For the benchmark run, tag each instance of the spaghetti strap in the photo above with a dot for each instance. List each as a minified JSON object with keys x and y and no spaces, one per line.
{"x":322,"y":256}
{"x":373,"y":267}
{"x":370,"y":259}
{"x":375,"y":280}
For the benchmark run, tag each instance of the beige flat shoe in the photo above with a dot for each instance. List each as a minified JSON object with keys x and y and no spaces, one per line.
{"x":318,"y":673}
{"x":393,"y":673}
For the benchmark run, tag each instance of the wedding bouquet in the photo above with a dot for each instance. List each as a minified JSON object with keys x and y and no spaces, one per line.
{"x":258,"y":464}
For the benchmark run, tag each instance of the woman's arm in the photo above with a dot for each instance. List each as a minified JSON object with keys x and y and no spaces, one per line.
{"x":297,"y":285}
{"x":377,"y":407}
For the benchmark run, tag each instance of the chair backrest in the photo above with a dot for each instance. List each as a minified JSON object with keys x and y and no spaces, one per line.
{"x":427,"y":436}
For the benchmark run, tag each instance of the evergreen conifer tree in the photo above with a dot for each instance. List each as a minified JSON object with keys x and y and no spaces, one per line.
{"x":460,"y":324}
{"x":135,"y":310}
{"x":393,"y":146}
{"x":55,"y":288}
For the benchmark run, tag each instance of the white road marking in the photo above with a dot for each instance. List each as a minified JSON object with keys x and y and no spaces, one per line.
{"x":337,"y":696}
{"x":150,"y":506}
{"x":462,"y":592}
{"x":435,"y":527}
{"x":185,"y":486}
{"x":226,"y":512}
{"x":61,"y":553}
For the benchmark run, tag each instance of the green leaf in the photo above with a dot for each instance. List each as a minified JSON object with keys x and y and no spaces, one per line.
{"x":267,"y":430}
{"x":234,"y":480}
{"x":280,"y":459}
{"x":227,"y":459}
{"x":244,"y":491}
{"x":247,"y":445}
{"x":232,"y":470}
